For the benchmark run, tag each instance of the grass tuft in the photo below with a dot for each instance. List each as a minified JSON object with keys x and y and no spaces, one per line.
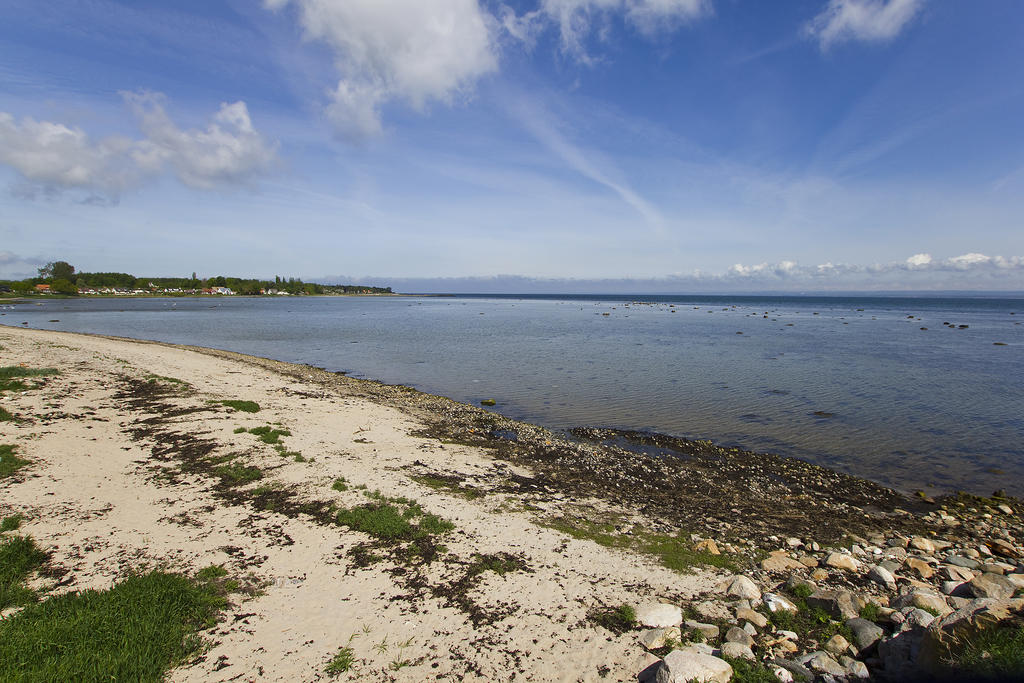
{"x":136,"y":631}
{"x":9,"y":462}
{"x":341,"y":662}
{"x":19,"y":557}
{"x":995,"y":654}
{"x":12,"y":523}
{"x":393,"y":519}
{"x":10,"y":374}
{"x":340,"y":484}
{"x":243,"y":406}
{"x":618,"y":620}
{"x":268,"y":434}
{"x":234,"y":474}
{"x":6,"y":416}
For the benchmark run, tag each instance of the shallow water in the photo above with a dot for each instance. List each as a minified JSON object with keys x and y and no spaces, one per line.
{"x":851,"y":383}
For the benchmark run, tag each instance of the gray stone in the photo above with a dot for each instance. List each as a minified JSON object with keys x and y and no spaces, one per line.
{"x":991,"y":586}
{"x":865,"y":633}
{"x":1016,"y":579}
{"x":737,"y":650}
{"x":955,"y":573}
{"x":837,"y":645}
{"x":712,"y":610}
{"x":923,"y":599}
{"x":742,"y":587}
{"x":918,"y":617}
{"x":750,"y":629}
{"x":822,"y":662}
{"x":646,"y":666}
{"x":654,"y":638}
{"x":776,"y":603}
{"x":923,"y":544}
{"x":659,"y":615}
{"x":961,"y":561}
{"x":709,"y":631}
{"x":892,"y":566}
{"x":842,"y":561}
{"x":796,"y":669}
{"x":838,"y":604}
{"x":881,"y":575}
{"x":682,"y":666}
{"x":755,"y":618}
{"x":781,"y":675}
{"x":738,"y":635}
{"x":855,"y":668}
{"x":953,"y":587}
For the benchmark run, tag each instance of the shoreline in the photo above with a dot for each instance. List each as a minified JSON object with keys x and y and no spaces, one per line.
{"x":578,"y":524}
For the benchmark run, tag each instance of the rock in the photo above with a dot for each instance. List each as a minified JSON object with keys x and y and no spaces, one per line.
{"x":738,"y":651}
{"x":961,"y":561}
{"x":654,"y":638}
{"x":865,"y":633}
{"x":842,"y":561}
{"x":659,"y":615}
{"x":780,"y":563}
{"x":954,"y":587}
{"x":950,"y":632}
{"x":838,"y":604}
{"x":738,"y":635}
{"x":892,"y":566}
{"x":1016,"y":579}
{"x":777,"y":602}
{"x":918,"y":617}
{"x":837,"y":645}
{"x":822,"y":662}
{"x":750,"y":629}
{"x":709,"y":546}
{"x":742,"y":587}
{"x":923,"y":544}
{"x":925,"y":600}
{"x":709,"y":631}
{"x":488,"y":402}
{"x":920,"y":567}
{"x":881,"y":575}
{"x":682,"y":666}
{"x":1001,"y":547}
{"x":819,"y":574}
{"x":1005,"y":509}
{"x":781,"y":675}
{"x":788,"y":635}
{"x":954,"y":573}
{"x":991,"y":586}
{"x":854,"y":668}
{"x":646,"y":666}
{"x":808,"y":561}
{"x":755,"y":618}
{"x":798,"y":671}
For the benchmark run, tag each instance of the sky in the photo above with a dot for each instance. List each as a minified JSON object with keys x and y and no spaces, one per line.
{"x":530,"y":145}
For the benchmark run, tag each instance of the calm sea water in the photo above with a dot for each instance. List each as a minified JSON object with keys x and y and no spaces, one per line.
{"x":851,"y":383}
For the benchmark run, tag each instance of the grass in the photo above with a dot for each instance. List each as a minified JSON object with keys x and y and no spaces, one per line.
{"x":240,"y":430}
{"x":869,"y":612}
{"x":268,"y":434}
{"x":393,"y":519}
{"x":341,"y":662}
{"x":243,"y":406}
{"x":6,"y":416}
{"x":448,"y":484}
{"x":151,"y":378}
{"x":993,"y":654}
{"x":9,"y":462}
{"x":618,"y":620}
{"x":12,"y":523}
{"x":745,"y":671}
{"x":673,"y":551}
{"x":809,"y":622}
{"x":136,"y":631}
{"x":19,"y":557}
{"x":10,"y":376}
{"x":234,"y":474}
{"x":340,"y":484}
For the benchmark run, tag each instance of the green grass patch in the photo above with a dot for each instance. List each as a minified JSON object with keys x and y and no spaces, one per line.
{"x":341,"y":662}
{"x":340,"y":484}
{"x":869,"y":612}
{"x":451,"y":485}
{"x":808,"y":622}
{"x":152,"y":379}
{"x":745,"y":671}
{"x":136,"y":631}
{"x":268,"y":434}
{"x":673,"y":551}
{"x":19,"y":557}
{"x":10,"y":376}
{"x":235,"y":474}
{"x":393,"y":519}
{"x":12,"y":523}
{"x":240,"y":430}
{"x":994,"y":654}
{"x":6,"y":416}
{"x":243,"y":406}
{"x":9,"y":462}
{"x":618,"y":620}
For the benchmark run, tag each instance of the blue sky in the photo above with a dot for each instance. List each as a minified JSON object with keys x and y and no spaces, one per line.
{"x":671,"y":145}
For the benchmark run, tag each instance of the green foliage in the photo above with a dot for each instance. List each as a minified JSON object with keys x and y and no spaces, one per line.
{"x":341,"y":662}
{"x":994,"y":654}
{"x":268,"y":434}
{"x":240,"y":430}
{"x":62,"y":286}
{"x":869,"y":612}
{"x":9,"y":462}
{"x":12,"y":523}
{"x":6,"y":416}
{"x":802,"y":591}
{"x":9,"y":376}
{"x":168,"y":380}
{"x":19,"y":557}
{"x":745,"y":671}
{"x":618,"y":620}
{"x":235,"y":474}
{"x":340,"y":484}
{"x":136,"y":631}
{"x":393,"y":519}
{"x":58,"y":270}
{"x":243,"y":406}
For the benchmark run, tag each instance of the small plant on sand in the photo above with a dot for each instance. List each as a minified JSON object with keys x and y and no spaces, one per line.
{"x":618,"y":620}
{"x":10,"y":376}
{"x":12,"y":523}
{"x":341,"y":662}
{"x":240,"y":430}
{"x":340,"y":484}
{"x":6,"y":416}
{"x":9,"y":462}
{"x":242,"y":406}
{"x":744,"y":671}
{"x":235,"y":474}
{"x":180,"y":383}
{"x":268,"y":434}
{"x":393,"y":519}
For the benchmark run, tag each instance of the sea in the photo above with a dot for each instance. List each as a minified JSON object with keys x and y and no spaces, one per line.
{"x":916,"y":393}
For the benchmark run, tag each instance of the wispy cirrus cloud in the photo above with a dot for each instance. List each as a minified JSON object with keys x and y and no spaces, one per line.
{"x":52,"y":157}
{"x":864,"y":20}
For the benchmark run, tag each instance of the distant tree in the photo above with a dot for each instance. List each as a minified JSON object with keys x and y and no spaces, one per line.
{"x":58,"y":270}
{"x":22,"y":286}
{"x":63,"y":286}
{"x":219,"y":281}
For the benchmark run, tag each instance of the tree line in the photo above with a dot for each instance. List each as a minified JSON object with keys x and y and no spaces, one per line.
{"x":62,"y":278}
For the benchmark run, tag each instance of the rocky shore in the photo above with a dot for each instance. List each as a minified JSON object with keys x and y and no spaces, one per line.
{"x":532,"y":555}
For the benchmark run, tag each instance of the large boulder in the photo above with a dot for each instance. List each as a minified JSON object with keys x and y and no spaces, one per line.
{"x":838,"y":604}
{"x":865,"y":634}
{"x":944,"y":636}
{"x":658,"y":615}
{"x":743,"y":588}
{"x":843,"y":561}
{"x":683,"y":666}
{"x":991,"y":586}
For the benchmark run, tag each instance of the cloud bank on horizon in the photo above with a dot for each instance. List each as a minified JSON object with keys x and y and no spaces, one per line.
{"x":563,"y":140}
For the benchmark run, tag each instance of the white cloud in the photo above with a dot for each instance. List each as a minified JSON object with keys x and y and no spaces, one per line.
{"x":867,"y":20}
{"x":407,"y":50}
{"x":52,"y":156}
{"x":919,"y":260}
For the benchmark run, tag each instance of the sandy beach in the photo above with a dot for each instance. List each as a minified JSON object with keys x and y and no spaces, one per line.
{"x":515,"y":548}
{"x":96,"y":496}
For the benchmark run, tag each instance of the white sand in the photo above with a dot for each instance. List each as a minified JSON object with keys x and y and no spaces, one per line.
{"x":91,"y":497}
